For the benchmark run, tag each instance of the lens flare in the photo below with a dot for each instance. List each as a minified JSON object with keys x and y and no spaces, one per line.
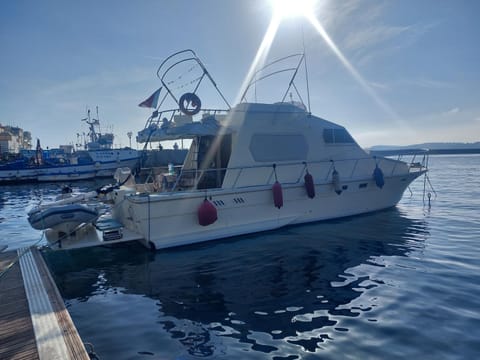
{"x":305,"y":9}
{"x":261,"y":55}
{"x":291,"y":8}
{"x":351,"y":69}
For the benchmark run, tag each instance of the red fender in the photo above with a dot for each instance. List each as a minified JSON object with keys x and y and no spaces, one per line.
{"x":277,"y":194}
{"x":309,"y":185}
{"x":336,"y":182}
{"x":207,"y":213}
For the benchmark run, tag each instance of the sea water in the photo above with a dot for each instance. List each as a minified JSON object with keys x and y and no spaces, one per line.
{"x":396,"y":284}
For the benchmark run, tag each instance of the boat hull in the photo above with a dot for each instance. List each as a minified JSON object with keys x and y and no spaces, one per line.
{"x":171,"y":219}
{"x":64,"y":172}
{"x":65,"y":216}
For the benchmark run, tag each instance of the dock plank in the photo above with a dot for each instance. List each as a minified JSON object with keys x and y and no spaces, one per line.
{"x":16,"y":329}
{"x":18,"y":340}
{"x":74,"y":343}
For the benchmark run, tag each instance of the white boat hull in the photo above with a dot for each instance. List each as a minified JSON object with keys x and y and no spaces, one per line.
{"x":66,"y":176}
{"x":66,"y":172}
{"x":86,"y":236}
{"x":170,"y":220}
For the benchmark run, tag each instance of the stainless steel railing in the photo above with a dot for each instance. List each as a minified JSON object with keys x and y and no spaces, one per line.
{"x":201,"y":179}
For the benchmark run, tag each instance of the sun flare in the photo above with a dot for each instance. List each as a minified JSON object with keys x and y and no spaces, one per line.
{"x":292,"y":8}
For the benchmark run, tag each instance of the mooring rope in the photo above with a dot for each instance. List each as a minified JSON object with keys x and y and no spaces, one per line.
{"x":17,"y":258}
{"x":91,"y":351}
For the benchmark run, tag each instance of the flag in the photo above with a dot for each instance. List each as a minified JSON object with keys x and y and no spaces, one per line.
{"x":152,"y":101}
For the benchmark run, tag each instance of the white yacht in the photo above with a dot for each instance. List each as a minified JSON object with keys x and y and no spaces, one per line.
{"x":250,"y":168}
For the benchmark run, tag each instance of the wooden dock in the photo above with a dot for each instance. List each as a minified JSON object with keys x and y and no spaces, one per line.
{"x":34,"y":323}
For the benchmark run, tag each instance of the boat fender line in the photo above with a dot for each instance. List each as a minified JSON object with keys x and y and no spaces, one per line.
{"x":277,"y":195}
{"x":277,"y":190}
{"x":336,"y":181}
{"x":378,"y":177}
{"x":151,"y":246}
{"x":309,"y":184}
{"x":190,"y":104}
{"x":91,"y":351}
{"x":207,"y":213}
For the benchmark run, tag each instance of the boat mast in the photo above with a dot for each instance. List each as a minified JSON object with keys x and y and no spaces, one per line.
{"x":92,"y":134}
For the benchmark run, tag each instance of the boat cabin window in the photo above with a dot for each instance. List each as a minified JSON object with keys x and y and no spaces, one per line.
{"x":337,"y":136}
{"x":271,"y":148}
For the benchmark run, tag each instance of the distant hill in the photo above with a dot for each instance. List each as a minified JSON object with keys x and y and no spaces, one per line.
{"x":434,"y":148}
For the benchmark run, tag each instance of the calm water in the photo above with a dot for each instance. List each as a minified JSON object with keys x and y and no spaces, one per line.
{"x":403,"y":283}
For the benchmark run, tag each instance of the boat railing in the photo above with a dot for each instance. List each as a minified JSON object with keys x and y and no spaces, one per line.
{"x":288,"y":64}
{"x":287,"y":173}
{"x":415,"y":157}
{"x":187,"y":57}
{"x":418,"y":160}
{"x":168,"y":118}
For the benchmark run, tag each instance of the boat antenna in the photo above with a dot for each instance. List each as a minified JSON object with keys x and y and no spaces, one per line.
{"x":306,"y":69}
{"x":97,"y":120}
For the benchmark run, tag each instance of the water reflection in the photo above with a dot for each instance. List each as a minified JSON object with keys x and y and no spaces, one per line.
{"x":276,"y":294}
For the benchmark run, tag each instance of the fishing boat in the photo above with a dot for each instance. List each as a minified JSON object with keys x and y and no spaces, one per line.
{"x":99,"y":148}
{"x":250,"y":168}
{"x":96,"y":157}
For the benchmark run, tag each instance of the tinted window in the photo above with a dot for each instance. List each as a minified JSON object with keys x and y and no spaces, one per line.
{"x":266,"y":147}
{"x":337,"y":136}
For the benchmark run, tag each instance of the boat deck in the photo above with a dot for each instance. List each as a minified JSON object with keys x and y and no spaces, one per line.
{"x":34,"y":323}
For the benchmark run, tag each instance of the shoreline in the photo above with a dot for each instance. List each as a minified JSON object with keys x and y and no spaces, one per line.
{"x":429,"y":151}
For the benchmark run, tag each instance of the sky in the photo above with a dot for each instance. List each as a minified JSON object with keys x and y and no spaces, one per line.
{"x":399,"y":72}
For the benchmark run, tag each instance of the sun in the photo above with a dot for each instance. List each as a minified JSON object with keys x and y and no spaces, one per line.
{"x":281,"y":9}
{"x":292,"y":8}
